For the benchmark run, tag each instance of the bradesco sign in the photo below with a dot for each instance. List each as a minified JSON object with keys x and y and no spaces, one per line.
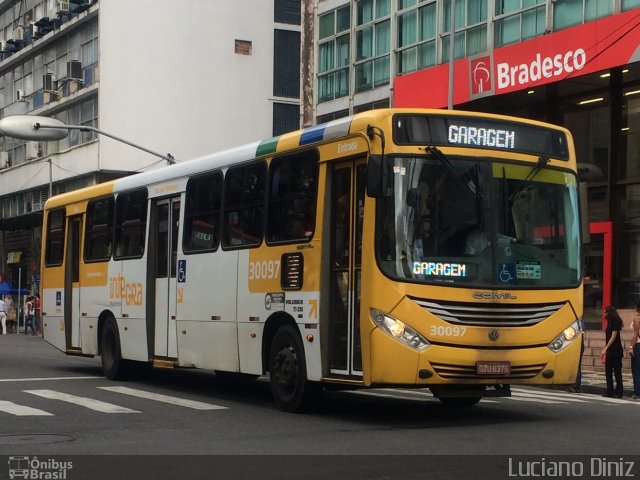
{"x":561,"y":65}
{"x":588,"y":48}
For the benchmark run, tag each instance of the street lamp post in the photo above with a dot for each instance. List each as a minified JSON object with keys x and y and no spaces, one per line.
{"x":32,"y":127}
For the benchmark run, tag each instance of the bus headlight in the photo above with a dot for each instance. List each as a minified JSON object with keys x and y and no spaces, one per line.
{"x":398,"y":330}
{"x":565,"y":337}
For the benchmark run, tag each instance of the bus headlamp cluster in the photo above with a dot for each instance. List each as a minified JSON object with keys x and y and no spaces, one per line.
{"x":399,"y":330}
{"x":565,"y":337}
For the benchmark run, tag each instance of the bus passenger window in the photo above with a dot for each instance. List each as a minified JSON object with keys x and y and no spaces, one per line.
{"x":55,"y":238}
{"x":202,"y":213}
{"x":98,"y":234}
{"x":244,"y":205}
{"x":130,"y":224}
{"x":292,"y":198}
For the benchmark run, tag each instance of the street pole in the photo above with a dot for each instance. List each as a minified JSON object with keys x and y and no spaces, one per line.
{"x":452,"y":34}
{"x":50,"y":179}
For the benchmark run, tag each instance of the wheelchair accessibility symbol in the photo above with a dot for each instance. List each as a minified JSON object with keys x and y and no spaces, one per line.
{"x":506,"y":272}
{"x":182,"y":271}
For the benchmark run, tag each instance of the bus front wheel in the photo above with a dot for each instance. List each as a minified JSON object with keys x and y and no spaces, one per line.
{"x":291,"y":390}
{"x":110,"y":353}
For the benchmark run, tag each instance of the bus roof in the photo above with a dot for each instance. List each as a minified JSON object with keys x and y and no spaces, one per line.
{"x":279,"y":144}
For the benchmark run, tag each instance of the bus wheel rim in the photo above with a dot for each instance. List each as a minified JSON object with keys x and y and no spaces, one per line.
{"x":286,"y":369}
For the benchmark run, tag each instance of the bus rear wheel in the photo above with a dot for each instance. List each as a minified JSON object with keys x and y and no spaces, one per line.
{"x":291,"y":390}
{"x":113,"y":366}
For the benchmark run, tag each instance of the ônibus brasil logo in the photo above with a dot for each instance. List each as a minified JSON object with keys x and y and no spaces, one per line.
{"x":32,"y":468}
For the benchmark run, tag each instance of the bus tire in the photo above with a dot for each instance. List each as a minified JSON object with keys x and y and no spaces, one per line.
{"x":291,"y":390}
{"x":113,"y":366}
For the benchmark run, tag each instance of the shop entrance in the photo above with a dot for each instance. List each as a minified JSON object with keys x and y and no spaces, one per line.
{"x":597,"y":275}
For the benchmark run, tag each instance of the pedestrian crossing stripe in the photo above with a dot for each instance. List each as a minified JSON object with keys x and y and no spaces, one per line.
{"x":89,"y":403}
{"x":21,"y":410}
{"x":164,"y":398}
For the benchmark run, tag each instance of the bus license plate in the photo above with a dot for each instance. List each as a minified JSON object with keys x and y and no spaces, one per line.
{"x":493,"y":368}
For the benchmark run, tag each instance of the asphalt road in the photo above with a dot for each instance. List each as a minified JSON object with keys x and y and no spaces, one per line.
{"x":191,"y":424}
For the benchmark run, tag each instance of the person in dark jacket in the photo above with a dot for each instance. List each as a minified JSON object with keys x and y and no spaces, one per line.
{"x":612,"y":352}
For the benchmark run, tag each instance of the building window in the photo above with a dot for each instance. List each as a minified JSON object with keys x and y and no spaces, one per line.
{"x":588,"y":120}
{"x":287,"y":11}
{"x":567,"y":13}
{"x":286,"y":118}
{"x":518,"y":20}
{"x":286,"y":64}
{"x":371,"y":106}
{"x":373,"y":44}
{"x":416,"y":37}
{"x":332,"y":116}
{"x":334,"y":54}
{"x":629,"y":4}
{"x":470,"y":28}
{"x":630,"y":134}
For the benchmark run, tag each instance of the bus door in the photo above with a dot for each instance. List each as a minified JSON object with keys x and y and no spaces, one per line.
{"x":72,"y":283}
{"x":166,"y":222}
{"x":347,"y":209}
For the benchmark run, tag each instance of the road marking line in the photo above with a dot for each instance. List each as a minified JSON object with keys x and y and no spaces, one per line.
{"x":90,"y":403}
{"x":532,"y":399}
{"x":43,"y":379}
{"x":164,"y":398}
{"x":516,"y":392}
{"x":21,"y":410}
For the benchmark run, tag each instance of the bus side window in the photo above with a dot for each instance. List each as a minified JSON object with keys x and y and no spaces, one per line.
{"x":202,"y":213}
{"x":130,"y":224}
{"x":54,"y":253}
{"x":244,"y":205}
{"x":292,"y":197}
{"x":98,"y":235}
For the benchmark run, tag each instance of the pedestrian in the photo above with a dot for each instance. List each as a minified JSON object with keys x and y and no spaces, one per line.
{"x":36,"y":317}
{"x":634,"y":351}
{"x":3,"y":316}
{"x":577,"y":386}
{"x":612,"y":352}
{"x":28,"y":316}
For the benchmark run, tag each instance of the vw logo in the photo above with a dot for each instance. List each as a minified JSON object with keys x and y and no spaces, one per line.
{"x":494,"y":335}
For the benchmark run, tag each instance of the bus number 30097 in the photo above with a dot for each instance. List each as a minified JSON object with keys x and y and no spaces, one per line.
{"x":265,"y":270}
{"x":447,"y":331}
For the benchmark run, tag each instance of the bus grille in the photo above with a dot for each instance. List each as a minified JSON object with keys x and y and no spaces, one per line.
{"x":468,"y":372}
{"x":489,"y":315}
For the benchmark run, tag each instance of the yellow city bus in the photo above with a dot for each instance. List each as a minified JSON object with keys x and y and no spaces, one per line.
{"x":396,"y":247}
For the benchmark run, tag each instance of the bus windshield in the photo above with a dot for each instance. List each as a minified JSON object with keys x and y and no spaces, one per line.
{"x":481,"y":222}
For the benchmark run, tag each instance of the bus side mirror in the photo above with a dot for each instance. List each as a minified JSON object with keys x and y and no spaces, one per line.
{"x":378,"y":177}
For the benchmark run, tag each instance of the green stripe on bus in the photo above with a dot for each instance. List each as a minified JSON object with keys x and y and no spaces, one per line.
{"x":267,"y":146}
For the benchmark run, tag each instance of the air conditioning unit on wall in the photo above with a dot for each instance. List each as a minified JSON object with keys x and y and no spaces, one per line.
{"x":33,"y":150}
{"x":4,"y":159}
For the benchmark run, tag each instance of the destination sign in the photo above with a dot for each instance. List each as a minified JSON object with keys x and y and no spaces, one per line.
{"x":480,"y":132}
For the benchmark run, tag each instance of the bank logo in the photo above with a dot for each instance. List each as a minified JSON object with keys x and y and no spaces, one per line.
{"x":481,"y":77}
{"x":33,"y":468}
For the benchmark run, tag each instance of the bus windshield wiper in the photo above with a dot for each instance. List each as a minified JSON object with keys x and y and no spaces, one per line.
{"x":436,"y":153}
{"x":542,"y":162}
